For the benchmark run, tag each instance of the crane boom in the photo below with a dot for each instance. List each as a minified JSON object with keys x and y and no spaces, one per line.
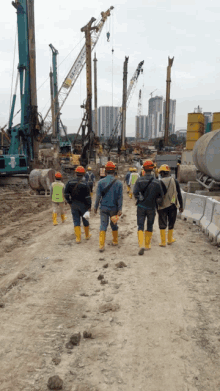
{"x":138,"y":116}
{"x":75,"y":70}
{"x":130,"y":91}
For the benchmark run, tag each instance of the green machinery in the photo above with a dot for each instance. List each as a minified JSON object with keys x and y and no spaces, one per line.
{"x":23,"y":145}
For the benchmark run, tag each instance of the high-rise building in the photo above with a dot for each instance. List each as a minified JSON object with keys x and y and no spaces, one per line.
{"x":107,"y":116}
{"x":172,"y":116}
{"x":143,"y":126}
{"x":208,"y":118}
{"x":155,"y":114}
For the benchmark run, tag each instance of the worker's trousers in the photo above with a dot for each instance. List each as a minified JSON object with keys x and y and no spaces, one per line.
{"x":90,"y":186}
{"x":58,"y":207}
{"x":142,"y":215}
{"x":105,"y":217}
{"x":167,"y":216}
{"x":77,"y":213}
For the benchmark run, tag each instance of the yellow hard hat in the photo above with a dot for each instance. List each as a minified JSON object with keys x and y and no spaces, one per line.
{"x":164,"y":167}
{"x":131,"y":169}
{"x":89,"y":168}
{"x":134,"y":169}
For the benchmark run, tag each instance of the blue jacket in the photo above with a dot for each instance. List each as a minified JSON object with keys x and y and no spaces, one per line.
{"x":90,"y":177}
{"x":127,"y":177}
{"x":114,"y":197}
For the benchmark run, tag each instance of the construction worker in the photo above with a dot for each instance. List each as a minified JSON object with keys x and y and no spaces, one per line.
{"x":90,"y":179}
{"x":102,"y":172}
{"x":127,"y":177}
{"x":132,"y":180}
{"x":148,"y":192}
{"x":58,"y":199}
{"x":110,"y":196}
{"x":167,"y":211}
{"x":156,"y":172}
{"x":77,"y":194}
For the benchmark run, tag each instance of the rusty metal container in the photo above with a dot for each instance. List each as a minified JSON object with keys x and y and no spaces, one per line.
{"x":41,"y":179}
{"x":206,"y":154}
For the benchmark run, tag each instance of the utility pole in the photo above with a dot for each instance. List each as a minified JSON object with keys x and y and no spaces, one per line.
{"x":166,"y":133}
{"x":87,"y":30}
{"x":33,"y":84}
{"x":124,"y":101}
{"x":52,"y":104}
{"x":95,"y":93}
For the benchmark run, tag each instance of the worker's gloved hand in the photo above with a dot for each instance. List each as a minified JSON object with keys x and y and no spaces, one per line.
{"x":119,"y":213}
{"x":181,"y":210}
{"x":95,"y":211}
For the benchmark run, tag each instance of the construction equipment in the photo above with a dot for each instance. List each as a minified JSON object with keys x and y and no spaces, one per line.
{"x":138,"y":117}
{"x":130,"y":91}
{"x":23,"y":147}
{"x":153,"y":92}
{"x":166,"y":133}
{"x":73,"y":74}
{"x":124,"y":100}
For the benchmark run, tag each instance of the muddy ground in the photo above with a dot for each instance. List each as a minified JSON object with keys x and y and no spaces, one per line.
{"x":154,"y":324}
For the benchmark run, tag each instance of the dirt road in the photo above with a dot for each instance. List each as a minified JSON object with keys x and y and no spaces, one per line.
{"x":155,"y":323}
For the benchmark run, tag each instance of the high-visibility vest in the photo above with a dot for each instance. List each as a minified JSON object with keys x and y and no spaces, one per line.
{"x":134,"y":177}
{"x":57,"y":194}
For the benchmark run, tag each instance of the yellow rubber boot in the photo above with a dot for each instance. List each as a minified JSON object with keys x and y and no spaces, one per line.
{"x":102,"y":235}
{"x":77,"y":230}
{"x":87,"y":233}
{"x":115,"y":238}
{"x":63,"y":218}
{"x":141,"y":242}
{"x":128,"y":189}
{"x":91,"y":194}
{"x":55,"y":219}
{"x":163,"y":238}
{"x":148,"y":236}
{"x":170,"y":237}
{"x":130,"y":195}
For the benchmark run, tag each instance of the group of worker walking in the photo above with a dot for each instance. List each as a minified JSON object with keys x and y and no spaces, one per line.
{"x":151,"y":194}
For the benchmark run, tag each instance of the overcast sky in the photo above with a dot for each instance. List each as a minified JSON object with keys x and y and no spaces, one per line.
{"x":143,"y":30}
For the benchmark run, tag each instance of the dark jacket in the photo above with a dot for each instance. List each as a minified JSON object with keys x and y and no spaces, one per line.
{"x":179,"y":195}
{"x":90,"y":177}
{"x":127,"y":177}
{"x":81,"y":196}
{"x":153,"y":192}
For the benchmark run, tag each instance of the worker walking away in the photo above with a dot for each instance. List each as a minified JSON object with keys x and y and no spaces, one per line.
{"x":90,"y":179}
{"x":132,"y":180}
{"x":58,"y":198}
{"x":127,"y":177}
{"x":148,"y":192}
{"x":110,"y":196}
{"x":167,"y":211}
{"x":102,"y":172}
{"x":156,"y":171}
{"x":77,"y":194}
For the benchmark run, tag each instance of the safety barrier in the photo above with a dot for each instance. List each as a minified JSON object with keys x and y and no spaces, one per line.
{"x":213,"y":230}
{"x":194,"y":208}
{"x":207,"y":218}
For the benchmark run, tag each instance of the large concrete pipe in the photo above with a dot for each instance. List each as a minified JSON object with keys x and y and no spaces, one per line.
{"x":41,"y":179}
{"x":206,"y":154}
{"x":186,"y":173}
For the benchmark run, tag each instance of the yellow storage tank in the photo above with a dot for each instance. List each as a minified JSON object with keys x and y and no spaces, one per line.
{"x":190,"y":136}
{"x":216,"y":117}
{"x":195,"y":127}
{"x":196,"y":117}
{"x":215,"y":125}
{"x":190,"y":145}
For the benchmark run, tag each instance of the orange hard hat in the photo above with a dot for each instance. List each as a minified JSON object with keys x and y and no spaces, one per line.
{"x":58,"y":175}
{"x":80,"y":170}
{"x":148,"y":165}
{"x":110,"y":166}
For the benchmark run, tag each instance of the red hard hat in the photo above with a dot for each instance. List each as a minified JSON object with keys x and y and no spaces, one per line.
{"x":148,"y":164}
{"x":58,"y":175}
{"x":80,"y":169}
{"x":110,"y":166}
